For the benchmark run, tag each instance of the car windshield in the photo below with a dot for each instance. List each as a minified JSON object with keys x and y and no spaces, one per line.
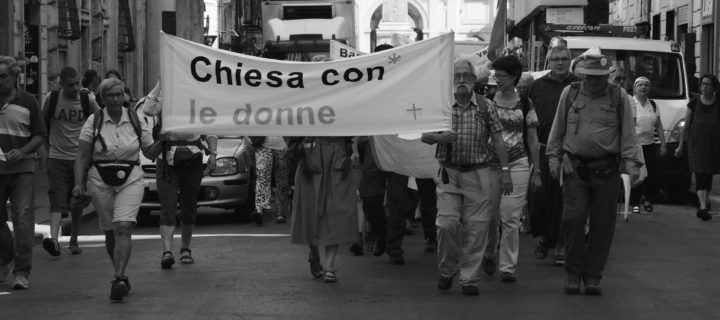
{"x":664,"y":70}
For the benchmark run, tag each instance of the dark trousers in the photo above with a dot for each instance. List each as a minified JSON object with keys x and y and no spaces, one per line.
{"x":399,"y":202}
{"x":645,"y":188}
{"x":19,"y":189}
{"x":427,"y":198}
{"x":546,"y":210}
{"x":180,"y":181}
{"x":594,"y":198}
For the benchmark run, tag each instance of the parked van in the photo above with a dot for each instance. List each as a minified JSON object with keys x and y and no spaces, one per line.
{"x":663,"y":64}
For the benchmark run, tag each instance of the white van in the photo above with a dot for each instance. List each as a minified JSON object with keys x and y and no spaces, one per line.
{"x":663,"y":64}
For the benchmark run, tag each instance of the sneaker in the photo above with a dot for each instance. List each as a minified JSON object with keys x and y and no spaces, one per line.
{"x":559,"y":260}
{"x":379,"y":248}
{"x":397,"y":260}
{"x":5,"y":271}
{"x":280,"y":219}
{"x":127,"y":282}
{"x":257,"y":217}
{"x":489,"y":266}
{"x":51,"y":246}
{"x":445,"y":283}
{"x":118,"y":289}
{"x":74,"y":248}
{"x":356,"y":249}
{"x":470,"y":290}
{"x":572,"y":285}
{"x":167,"y":260}
{"x":20,"y":282}
{"x":704,"y":214}
{"x":508,"y":277}
{"x":592,"y":286}
{"x":431,"y":245}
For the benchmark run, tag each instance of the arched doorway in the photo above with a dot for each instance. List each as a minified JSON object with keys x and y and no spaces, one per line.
{"x":415,"y":18}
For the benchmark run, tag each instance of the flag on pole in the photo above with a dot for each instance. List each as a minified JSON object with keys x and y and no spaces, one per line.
{"x":497,"y":37}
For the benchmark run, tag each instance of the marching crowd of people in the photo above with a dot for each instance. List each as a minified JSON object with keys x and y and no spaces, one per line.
{"x":548,"y":150}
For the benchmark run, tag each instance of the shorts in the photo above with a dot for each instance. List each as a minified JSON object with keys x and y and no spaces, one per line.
{"x":61,"y":178}
{"x":116,"y":203}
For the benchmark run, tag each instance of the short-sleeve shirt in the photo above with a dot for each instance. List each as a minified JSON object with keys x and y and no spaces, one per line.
{"x":473,"y":124}
{"x":513,"y":131}
{"x":65,"y":124}
{"x":646,"y":117}
{"x":121,"y":139}
{"x":20,"y":121}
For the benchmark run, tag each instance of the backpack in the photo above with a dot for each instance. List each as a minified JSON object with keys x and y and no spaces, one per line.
{"x":99,"y":120}
{"x":55,"y":96}
{"x":615,"y":99}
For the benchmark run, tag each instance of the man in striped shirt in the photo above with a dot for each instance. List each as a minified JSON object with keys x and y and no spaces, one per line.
{"x":22,"y":131}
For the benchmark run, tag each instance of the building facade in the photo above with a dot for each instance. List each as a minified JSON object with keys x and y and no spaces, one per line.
{"x":692,"y":23}
{"x":48,"y":35}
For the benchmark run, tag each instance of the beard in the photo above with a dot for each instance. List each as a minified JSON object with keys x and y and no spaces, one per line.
{"x":459,"y":89}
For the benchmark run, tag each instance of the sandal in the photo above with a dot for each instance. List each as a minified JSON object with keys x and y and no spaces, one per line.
{"x":186,"y":256}
{"x":316,"y":269}
{"x":648,"y":206}
{"x":167,"y":260}
{"x":329,"y":277}
{"x":541,"y":252}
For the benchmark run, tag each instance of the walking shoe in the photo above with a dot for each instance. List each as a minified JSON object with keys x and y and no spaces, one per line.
{"x":592,"y":286}
{"x":489,"y":266}
{"x":431,"y":245}
{"x":257,"y":217}
{"x":379,"y":248}
{"x":127,"y":282}
{"x":316,"y":269}
{"x":280,"y":219}
{"x":74,"y":247}
{"x":559,"y":260}
{"x":445,"y":283}
{"x":118,"y":289}
{"x":508,"y":277}
{"x":704,"y":214}
{"x":572,"y":285}
{"x":357,"y":249}
{"x":397,"y":260}
{"x":470,"y":290}
{"x":540,"y":252}
{"x":5,"y":271}
{"x":167,"y":260}
{"x":20,"y":282}
{"x":330,"y":277}
{"x":186,"y":256}
{"x":51,"y":246}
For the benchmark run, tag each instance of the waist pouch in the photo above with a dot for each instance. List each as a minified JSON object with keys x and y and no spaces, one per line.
{"x":184,"y":154}
{"x":597,"y":167}
{"x":115,"y":172}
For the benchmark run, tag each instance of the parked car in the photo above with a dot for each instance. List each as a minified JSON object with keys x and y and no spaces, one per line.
{"x":229,"y":186}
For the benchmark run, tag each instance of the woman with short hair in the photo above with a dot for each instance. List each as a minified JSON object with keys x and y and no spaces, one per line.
{"x":108,"y":155}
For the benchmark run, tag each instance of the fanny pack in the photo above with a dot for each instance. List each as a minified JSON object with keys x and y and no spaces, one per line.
{"x":597,"y":167}
{"x":115,"y":172}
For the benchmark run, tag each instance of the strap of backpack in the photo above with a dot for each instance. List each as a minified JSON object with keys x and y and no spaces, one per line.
{"x":652,"y":102}
{"x":85,"y":103}
{"x":135,"y":122}
{"x":98,"y":120}
{"x":54,"y":96}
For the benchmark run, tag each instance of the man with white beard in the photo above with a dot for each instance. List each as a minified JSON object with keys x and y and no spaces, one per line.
{"x":467,"y":184}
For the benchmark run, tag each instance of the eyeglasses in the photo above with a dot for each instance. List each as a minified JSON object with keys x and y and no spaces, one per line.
{"x":466,"y":75}
{"x":560,"y":59}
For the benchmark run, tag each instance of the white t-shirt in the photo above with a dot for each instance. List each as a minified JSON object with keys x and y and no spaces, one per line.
{"x":645,"y":123}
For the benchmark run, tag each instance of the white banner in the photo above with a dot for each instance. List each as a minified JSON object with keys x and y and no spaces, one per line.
{"x":412,"y":158}
{"x":339,"y":50}
{"x":401,"y":90}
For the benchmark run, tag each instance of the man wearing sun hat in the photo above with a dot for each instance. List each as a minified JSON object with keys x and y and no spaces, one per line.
{"x":591,"y":141}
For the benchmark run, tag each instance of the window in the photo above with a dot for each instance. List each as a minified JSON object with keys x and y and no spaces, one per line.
{"x":475,"y":12}
{"x":664,"y":70}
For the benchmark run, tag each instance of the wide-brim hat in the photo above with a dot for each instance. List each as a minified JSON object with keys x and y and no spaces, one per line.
{"x":594,"y":65}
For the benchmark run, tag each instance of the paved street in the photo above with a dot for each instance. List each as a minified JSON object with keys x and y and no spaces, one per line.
{"x":662,"y":266}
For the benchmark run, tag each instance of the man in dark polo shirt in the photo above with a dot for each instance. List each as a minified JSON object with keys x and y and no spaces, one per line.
{"x":467,"y":184}
{"x":592,"y":138}
{"x":22,"y":131}
{"x":545,"y":202}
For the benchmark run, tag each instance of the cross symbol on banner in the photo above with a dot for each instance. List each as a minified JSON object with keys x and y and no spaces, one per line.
{"x":395,"y":58}
{"x":414,"y":111}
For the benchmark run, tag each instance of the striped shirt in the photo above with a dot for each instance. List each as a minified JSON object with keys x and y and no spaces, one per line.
{"x":20,"y":121}
{"x":473,"y":124}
